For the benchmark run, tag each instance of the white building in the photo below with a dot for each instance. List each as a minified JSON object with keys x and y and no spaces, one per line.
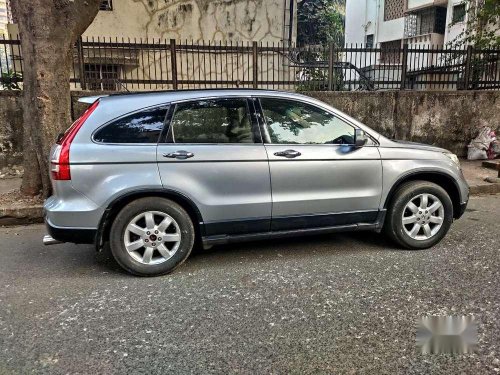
{"x":391,"y":24}
{"x":4,"y":19}
{"x":395,"y":22}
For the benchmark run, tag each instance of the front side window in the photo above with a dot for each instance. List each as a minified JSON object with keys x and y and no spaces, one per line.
{"x":292,"y":122}
{"x":212,"y":121}
{"x":140,"y":127}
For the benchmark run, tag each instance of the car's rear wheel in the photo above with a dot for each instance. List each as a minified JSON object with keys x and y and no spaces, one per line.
{"x":419,"y":215}
{"x":151,"y":236}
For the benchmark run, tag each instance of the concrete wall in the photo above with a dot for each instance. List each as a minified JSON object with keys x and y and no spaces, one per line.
{"x":219,"y":20}
{"x":446,"y":119}
{"x":215,"y":21}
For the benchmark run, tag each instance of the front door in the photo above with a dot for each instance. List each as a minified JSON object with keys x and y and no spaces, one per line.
{"x":214,"y":155}
{"x":318,"y":177}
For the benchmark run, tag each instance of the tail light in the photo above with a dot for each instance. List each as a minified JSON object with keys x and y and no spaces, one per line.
{"x":59,"y":161}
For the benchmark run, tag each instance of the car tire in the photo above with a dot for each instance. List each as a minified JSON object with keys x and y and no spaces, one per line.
{"x":136,"y":242}
{"x":413,"y":226}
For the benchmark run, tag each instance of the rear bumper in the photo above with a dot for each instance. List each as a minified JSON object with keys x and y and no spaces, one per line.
{"x":71,"y":217}
{"x":74,"y":235}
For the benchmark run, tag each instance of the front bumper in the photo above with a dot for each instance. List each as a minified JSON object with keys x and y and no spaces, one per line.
{"x":461,"y":210}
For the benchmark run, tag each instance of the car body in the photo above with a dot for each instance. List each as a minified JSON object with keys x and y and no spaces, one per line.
{"x":268,"y":169}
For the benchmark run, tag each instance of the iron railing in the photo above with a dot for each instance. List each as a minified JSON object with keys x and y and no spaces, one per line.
{"x":108,"y":64}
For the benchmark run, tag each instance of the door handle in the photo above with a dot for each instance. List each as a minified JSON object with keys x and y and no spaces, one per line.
{"x":289,"y":154}
{"x":181,"y":154}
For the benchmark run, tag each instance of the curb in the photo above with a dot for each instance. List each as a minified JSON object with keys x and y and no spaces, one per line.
{"x":21,"y":215}
{"x":34,"y":214}
{"x":485,"y":189}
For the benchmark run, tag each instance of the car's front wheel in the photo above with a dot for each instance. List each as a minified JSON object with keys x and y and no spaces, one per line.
{"x":419,"y":215}
{"x":151,"y":236}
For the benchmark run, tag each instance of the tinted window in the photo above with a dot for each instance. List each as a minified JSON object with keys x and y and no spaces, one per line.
{"x":140,"y":127}
{"x":212,"y":121}
{"x":292,"y":122}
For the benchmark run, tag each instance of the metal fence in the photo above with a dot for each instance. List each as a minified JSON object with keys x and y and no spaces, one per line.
{"x":117,"y":64}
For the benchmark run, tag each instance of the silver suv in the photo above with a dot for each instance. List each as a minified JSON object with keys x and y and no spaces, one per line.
{"x":155,"y":173}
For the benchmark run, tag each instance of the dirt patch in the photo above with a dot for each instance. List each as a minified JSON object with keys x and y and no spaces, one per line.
{"x":14,"y":199}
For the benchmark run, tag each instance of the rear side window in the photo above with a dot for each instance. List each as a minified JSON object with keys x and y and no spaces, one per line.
{"x":213,"y":121}
{"x":140,"y":127}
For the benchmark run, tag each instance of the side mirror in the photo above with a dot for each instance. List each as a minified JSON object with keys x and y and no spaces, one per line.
{"x":360,"y":138}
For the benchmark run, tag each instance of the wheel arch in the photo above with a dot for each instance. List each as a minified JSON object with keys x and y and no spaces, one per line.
{"x":441,"y":179}
{"x":118,"y":203}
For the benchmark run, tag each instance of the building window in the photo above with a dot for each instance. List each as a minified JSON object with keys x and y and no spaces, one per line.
{"x":390,"y":52}
{"x":458,"y":13}
{"x":102,"y":76}
{"x":369,"y":41}
{"x":426,"y":21}
{"x":106,"y":5}
{"x":393,"y":9}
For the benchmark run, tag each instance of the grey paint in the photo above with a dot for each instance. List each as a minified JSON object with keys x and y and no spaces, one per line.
{"x":230,"y":182}
{"x":324,"y":179}
{"x":225,"y":181}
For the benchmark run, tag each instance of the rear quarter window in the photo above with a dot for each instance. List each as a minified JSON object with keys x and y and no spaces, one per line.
{"x":144,"y":126}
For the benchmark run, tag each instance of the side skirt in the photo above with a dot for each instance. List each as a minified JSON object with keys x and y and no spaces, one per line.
{"x":224,"y":239}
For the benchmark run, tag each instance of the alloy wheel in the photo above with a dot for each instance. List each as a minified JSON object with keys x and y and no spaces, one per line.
{"x":152,"y":237}
{"x":423,"y":216}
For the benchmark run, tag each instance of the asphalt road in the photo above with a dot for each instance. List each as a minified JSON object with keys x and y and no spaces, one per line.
{"x":331,"y":304}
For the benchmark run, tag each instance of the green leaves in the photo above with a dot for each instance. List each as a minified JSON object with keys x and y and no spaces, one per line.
{"x":320,"y":22}
{"x":482,"y":26}
{"x":10,"y":80}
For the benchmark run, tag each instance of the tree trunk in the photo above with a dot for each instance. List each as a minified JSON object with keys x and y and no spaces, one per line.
{"x":48,"y":31}
{"x":46,"y":104}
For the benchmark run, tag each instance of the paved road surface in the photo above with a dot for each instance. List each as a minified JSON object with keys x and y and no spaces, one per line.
{"x":331,"y":304}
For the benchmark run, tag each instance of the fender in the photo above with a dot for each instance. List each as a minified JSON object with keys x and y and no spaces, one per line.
{"x":119,"y":202}
{"x":414,"y":174}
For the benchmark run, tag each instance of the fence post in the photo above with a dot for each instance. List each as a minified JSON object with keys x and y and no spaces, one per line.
{"x":468,"y":66}
{"x":81,"y":66}
{"x":404,"y":67}
{"x":331,"y":77}
{"x":255,"y":67}
{"x":173,"y":63}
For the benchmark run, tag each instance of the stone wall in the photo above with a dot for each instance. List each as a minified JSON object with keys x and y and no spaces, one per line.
{"x":446,"y":119}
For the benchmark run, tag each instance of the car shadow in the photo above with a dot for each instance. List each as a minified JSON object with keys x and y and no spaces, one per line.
{"x":103,"y":263}
{"x":301,"y":246}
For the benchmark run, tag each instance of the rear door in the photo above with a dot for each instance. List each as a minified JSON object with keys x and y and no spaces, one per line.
{"x":213,"y":154}
{"x":120,"y":158}
{"x":319,"y":178}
